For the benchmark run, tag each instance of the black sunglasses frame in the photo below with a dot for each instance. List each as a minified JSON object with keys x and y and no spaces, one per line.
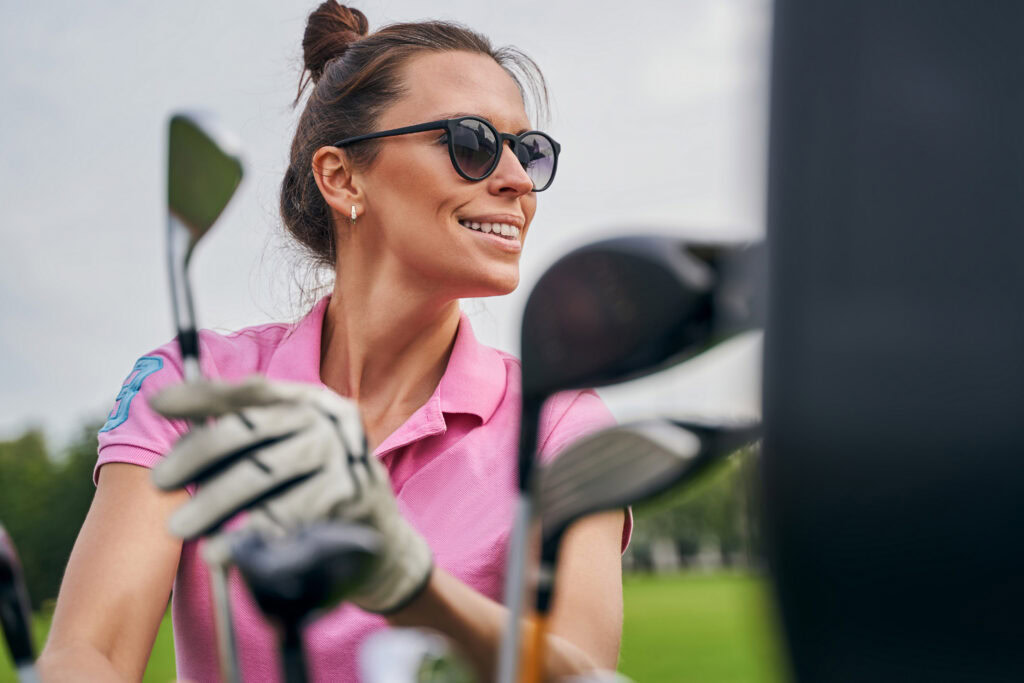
{"x":449,"y":125}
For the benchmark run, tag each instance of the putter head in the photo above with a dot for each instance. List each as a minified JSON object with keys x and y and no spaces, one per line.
{"x":14,"y":604}
{"x":204,"y":168}
{"x":624,"y":465}
{"x":311,"y":569}
{"x":625,"y":307}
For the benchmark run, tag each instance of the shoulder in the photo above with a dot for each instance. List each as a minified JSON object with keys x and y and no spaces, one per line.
{"x":134,"y":433}
{"x":235,"y":355}
{"x":566,"y":416}
{"x":223,"y":355}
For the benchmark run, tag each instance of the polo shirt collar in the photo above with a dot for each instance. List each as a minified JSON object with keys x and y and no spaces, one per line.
{"x":474,"y":382}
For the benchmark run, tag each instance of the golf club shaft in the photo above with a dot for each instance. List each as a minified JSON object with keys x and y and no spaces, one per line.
{"x":515,"y":574}
{"x":293,"y":660}
{"x":508,"y":654}
{"x":27,"y":673}
{"x":533,"y":656}
{"x":226,"y":649}
{"x":179,"y":251}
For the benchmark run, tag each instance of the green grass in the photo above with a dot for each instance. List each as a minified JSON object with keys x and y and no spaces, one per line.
{"x":714,"y":628}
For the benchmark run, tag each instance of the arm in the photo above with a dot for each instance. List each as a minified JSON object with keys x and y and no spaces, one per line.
{"x":117,"y":582}
{"x":584,"y":632}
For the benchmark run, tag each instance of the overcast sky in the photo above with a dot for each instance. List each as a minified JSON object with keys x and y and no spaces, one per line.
{"x":660,"y":108}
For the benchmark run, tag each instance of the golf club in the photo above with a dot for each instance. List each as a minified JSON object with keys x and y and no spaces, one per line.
{"x":614,"y":468}
{"x":401,"y":655}
{"x":309,"y":570}
{"x":15,"y":612}
{"x":203,"y":171}
{"x":608,"y":312}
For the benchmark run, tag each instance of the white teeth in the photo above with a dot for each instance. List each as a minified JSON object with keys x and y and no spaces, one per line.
{"x":503,"y":229}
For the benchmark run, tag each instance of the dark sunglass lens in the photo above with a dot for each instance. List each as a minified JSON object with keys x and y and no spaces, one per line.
{"x":537,"y":155}
{"x":475,"y":146}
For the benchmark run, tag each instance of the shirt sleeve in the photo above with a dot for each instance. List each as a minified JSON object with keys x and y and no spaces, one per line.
{"x":134,"y":433}
{"x":569,"y":416}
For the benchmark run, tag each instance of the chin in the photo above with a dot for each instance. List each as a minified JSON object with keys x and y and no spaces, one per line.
{"x":493,"y":287}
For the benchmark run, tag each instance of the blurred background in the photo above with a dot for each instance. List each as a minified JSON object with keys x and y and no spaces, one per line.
{"x":660,"y":107}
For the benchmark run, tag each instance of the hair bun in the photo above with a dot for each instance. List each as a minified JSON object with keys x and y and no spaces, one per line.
{"x":330,"y":29}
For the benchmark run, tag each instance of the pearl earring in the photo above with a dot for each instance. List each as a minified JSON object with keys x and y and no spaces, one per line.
{"x":353,"y":214}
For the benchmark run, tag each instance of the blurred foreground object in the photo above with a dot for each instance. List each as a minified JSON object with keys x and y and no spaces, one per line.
{"x":204,"y":168}
{"x":894,"y":374}
{"x":15,"y":616}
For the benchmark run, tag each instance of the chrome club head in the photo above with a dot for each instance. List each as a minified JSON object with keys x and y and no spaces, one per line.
{"x":624,"y":465}
{"x":204,"y":168}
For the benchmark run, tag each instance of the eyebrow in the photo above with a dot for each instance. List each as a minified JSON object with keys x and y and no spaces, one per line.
{"x":457,"y":114}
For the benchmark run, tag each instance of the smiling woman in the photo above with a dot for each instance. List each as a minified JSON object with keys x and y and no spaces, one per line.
{"x":413,"y":176}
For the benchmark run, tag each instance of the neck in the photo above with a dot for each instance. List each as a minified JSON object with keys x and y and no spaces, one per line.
{"x":385,"y":341}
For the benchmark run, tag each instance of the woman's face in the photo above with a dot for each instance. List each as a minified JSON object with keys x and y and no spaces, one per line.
{"x":417,"y":202}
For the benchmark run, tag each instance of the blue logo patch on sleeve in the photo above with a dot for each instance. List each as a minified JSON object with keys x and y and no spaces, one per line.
{"x":144,"y":367}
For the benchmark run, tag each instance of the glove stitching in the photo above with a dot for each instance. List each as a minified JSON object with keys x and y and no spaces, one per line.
{"x":217,"y":467}
{"x":259,"y":463}
{"x":349,"y":463}
{"x":351,"y":459}
{"x":245,"y":420}
{"x":265,"y":509}
{"x":268,"y":494}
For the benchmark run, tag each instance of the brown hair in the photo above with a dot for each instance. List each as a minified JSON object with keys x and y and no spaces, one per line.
{"x":355,"y":76}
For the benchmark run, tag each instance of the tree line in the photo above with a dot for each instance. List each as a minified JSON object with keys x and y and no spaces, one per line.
{"x":44,"y":496}
{"x":717,"y":513}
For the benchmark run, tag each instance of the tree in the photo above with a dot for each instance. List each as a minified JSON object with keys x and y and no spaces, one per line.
{"x":43,"y":502}
{"x":714,"y":510}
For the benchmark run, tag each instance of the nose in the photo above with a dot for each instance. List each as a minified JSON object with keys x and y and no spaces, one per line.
{"x":509,"y":177}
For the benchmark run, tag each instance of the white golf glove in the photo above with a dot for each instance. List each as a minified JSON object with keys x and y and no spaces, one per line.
{"x":291,"y":454}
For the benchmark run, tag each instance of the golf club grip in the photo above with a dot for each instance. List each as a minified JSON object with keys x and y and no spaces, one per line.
{"x":17,"y":629}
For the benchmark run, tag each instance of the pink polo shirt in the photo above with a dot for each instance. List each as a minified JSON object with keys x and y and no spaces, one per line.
{"x":452,"y":467}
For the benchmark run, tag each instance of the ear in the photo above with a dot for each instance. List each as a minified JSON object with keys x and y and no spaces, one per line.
{"x":340,"y":186}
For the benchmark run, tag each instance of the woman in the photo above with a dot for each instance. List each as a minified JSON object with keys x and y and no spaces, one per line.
{"x":410,"y":222}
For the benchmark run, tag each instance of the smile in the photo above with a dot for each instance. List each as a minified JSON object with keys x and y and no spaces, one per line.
{"x":505,"y":230}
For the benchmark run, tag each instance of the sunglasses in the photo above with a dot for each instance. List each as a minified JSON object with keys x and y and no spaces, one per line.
{"x":475,"y":146}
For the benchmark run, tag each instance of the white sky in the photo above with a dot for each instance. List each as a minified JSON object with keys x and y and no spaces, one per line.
{"x":660,"y":108}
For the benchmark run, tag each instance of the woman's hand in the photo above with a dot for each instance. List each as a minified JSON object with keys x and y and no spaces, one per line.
{"x":291,"y":454}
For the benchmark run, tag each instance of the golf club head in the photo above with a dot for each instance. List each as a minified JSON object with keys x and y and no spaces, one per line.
{"x":626,"y":307}
{"x":204,"y":168}
{"x":15,"y":612}
{"x":624,"y":465}
{"x":311,"y":569}
{"x":612,"y":311}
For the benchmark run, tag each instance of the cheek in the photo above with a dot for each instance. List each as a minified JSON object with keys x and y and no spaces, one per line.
{"x":414,"y":173}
